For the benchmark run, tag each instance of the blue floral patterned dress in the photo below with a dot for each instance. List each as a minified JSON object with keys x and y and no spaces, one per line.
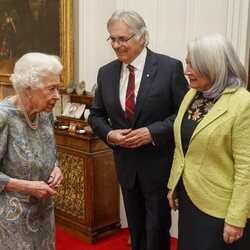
{"x":26,"y":222}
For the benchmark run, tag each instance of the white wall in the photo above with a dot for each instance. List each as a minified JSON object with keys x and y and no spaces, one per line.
{"x":171,"y":24}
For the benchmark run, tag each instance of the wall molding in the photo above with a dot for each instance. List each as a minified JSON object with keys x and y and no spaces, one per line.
{"x":237,"y":27}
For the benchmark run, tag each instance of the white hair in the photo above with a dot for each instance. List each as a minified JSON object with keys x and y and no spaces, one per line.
{"x":32,"y":68}
{"x":214,"y":57}
{"x":133,"y":20}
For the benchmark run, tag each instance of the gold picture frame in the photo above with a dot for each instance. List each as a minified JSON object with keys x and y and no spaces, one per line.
{"x":62,"y":38}
{"x":248,"y":83}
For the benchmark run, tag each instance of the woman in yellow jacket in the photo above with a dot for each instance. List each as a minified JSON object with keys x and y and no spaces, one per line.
{"x":210,"y":177}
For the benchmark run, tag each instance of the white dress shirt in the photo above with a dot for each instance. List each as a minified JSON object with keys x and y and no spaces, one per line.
{"x":138,"y":64}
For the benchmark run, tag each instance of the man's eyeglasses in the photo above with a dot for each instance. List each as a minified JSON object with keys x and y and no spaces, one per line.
{"x":120,"y":40}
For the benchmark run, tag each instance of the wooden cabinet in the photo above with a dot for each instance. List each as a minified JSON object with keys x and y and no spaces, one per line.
{"x":88,"y":201}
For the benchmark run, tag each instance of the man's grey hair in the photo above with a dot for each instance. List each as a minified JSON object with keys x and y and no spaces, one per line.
{"x":214,"y":57}
{"x":32,"y":68}
{"x":133,"y":20}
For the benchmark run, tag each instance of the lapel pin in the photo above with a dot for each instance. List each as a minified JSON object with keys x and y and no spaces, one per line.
{"x":147,"y":75}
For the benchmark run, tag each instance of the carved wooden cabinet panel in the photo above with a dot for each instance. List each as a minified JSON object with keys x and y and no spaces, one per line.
{"x":88,"y":201}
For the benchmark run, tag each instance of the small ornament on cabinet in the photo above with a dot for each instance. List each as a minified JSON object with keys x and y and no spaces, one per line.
{"x":71,"y":109}
{"x":86,"y":114}
{"x":71,"y":87}
{"x":94,"y":87}
{"x":80,"y":111}
{"x":80,"y":87}
{"x":72,"y":127}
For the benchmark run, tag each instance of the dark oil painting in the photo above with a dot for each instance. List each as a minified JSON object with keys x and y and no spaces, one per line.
{"x":27,"y":26}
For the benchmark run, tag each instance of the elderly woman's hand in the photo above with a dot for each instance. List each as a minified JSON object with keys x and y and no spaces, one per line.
{"x":40,"y":189}
{"x":173,"y":203}
{"x":56,"y":178}
{"x":232,"y":233}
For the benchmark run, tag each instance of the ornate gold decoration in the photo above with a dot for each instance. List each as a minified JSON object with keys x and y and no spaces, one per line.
{"x":66,"y":39}
{"x":70,"y":198}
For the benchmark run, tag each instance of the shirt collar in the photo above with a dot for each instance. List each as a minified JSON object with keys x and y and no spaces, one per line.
{"x":139,"y":61}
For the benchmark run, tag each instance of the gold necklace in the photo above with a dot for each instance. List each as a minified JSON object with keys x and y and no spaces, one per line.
{"x":33,"y":125}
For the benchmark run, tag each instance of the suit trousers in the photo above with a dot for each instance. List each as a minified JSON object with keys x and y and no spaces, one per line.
{"x":149,"y":217}
{"x":200,"y":231}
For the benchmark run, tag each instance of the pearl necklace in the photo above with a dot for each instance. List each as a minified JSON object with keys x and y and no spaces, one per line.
{"x":33,"y":125}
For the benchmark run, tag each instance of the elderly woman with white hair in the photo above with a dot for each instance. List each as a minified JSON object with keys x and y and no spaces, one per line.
{"x":29,"y":175}
{"x":210,"y":176}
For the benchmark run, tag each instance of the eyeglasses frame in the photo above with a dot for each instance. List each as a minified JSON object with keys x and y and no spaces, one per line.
{"x":119,"y":42}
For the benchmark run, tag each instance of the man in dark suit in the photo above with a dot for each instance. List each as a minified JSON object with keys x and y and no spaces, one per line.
{"x":139,"y":130}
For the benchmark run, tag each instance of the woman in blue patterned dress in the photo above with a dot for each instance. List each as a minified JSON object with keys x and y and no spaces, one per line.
{"x":29,"y":175}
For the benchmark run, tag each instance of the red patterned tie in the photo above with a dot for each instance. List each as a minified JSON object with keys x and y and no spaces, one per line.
{"x":130,"y":94}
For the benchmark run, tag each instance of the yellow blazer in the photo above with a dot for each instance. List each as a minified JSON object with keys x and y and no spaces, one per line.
{"x":216,"y":167}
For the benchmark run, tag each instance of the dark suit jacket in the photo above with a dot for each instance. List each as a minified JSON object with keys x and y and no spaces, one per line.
{"x":161,"y":91}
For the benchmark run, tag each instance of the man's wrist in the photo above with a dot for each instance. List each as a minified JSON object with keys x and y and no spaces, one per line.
{"x":109,"y":142}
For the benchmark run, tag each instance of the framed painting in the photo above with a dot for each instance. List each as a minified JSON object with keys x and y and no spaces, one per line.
{"x":35,"y":26}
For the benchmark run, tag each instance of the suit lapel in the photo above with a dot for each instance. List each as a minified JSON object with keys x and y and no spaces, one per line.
{"x":116,"y":83}
{"x":149,"y":71}
{"x":116,"y":87}
{"x":219,"y":108}
{"x":213,"y":114}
